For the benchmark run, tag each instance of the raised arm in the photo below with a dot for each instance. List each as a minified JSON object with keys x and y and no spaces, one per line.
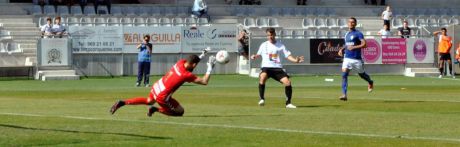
{"x":205,"y":79}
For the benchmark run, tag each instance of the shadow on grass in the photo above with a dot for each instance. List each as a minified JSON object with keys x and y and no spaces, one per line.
{"x":85,"y":132}
{"x":230,"y":115}
{"x":318,"y":106}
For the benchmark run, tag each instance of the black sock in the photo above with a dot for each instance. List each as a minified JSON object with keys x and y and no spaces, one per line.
{"x":441,"y":70}
{"x":288,"y":91}
{"x":450,"y":69}
{"x":262,"y":91}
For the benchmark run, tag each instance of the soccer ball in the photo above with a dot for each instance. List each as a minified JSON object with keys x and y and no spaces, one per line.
{"x":222,"y":57}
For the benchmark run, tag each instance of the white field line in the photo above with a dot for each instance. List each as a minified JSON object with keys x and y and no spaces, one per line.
{"x":445,"y":78}
{"x":251,"y":128}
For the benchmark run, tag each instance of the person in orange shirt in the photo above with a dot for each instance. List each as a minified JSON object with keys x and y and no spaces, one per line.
{"x":444,"y":45}
{"x":457,"y":55}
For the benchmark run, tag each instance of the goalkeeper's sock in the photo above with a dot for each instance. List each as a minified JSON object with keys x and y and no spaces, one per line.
{"x":366,"y":77}
{"x":262,"y":91}
{"x":137,"y":101}
{"x":288,"y":92}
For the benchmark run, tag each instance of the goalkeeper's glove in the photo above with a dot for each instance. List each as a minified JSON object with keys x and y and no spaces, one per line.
{"x":210,"y":64}
{"x":204,"y":51}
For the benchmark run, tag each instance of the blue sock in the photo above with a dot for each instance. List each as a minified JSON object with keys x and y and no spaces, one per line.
{"x":344,"y":82}
{"x":366,"y":77}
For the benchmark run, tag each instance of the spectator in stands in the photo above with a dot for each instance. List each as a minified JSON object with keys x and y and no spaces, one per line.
{"x":102,"y":2}
{"x":42,"y":4}
{"x":56,"y":3}
{"x":143,"y":58}
{"x":200,"y":9}
{"x":58,"y":28}
{"x":83,"y":3}
{"x":243,"y":44}
{"x":249,"y":2}
{"x":386,"y":16}
{"x":405,"y":31}
{"x":385,"y":32}
{"x":444,"y":45}
{"x":47,"y":29}
{"x":301,"y":2}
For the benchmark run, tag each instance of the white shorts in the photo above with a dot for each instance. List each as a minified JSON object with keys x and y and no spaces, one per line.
{"x":353,"y":64}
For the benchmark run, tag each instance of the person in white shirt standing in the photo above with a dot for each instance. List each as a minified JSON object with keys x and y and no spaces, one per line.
{"x":58,"y":28}
{"x":200,"y":9}
{"x":47,"y":29}
{"x":386,"y":16}
{"x":385,"y":32}
{"x":272,"y":67}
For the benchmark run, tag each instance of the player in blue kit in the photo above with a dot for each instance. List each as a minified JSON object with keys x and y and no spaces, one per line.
{"x":354,"y":42}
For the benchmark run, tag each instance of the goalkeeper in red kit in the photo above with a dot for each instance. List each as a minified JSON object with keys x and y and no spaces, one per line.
{"x":162,"y":91}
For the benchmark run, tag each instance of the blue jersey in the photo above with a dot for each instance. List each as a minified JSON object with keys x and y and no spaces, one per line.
{"x":144,"y":53}
{"x":353,"y":38}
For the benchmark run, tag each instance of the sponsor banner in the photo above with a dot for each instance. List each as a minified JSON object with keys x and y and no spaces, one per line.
{"x":373,"y":53}
{"x":54,"y":52}
{"x":98,"y":39}
{"x":218,"y":37}
{"x":163,"y":39}
{"x":325,"y":50}
{"x":420,"y":50}
{"x":393,"y":50}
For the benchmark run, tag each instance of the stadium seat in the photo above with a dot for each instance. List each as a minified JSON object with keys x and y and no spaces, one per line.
{"x":90,"y":11}
{"x":342,"y":33}
{"x":76,"y":10}
{"x":73,"y":21}
{"x":164,"y":21}
{"x":36,"y":10}
{"x":421,"y":22}
{"x":126,"y":21}
{"x":5,"y":35}
{"x":2,"y":48}
{"x":310,"y":34}
{"x":396,"y":22}
{"x":308,"y":22}
{"x":62,"y":10}
{"x":139,"y":22}
{"x":443,"y":22}
{"x":100,"y":21}
{"x":298,"y":34}
{"x":116,"y":11}
{"x":342,"y":23}
{"x":113,"y":21}
{"x":13,"y":47}
{"x":432,"y":21}
{"x":273,"y":11}
{"x":169,"y":11}
{"x":454,"y":20}
{"x":144,"y":11}
{"x":322,"y":12}
{"x":249,"y":22}
{"x":152,"y":22}
{"x":203,"y":22}
{"x":261,"y":22}
{"x":273,"y":22}
{"x":41,"y":21}
{"x":189,"y":21}
{"x":321,"y":33}
{"x":86,"y":21}
{"x":286,"y":34}
{"x":49,"y":10}
{"x":102,"y":10}
{"x":287,"y":11}
{"x":178,"y":21}
{"x":129,"y":10}
{"x":320,"y":22}
{"x":300,"y":12}
{"x":183,"y":11}
{"x":332,"y":33}
{"x":332,"y":23}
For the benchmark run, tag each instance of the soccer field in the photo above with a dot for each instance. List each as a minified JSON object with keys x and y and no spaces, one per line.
{"x":401,"y":111}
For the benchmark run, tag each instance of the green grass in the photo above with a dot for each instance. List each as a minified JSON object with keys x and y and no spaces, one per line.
{"x":400,"y":112}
